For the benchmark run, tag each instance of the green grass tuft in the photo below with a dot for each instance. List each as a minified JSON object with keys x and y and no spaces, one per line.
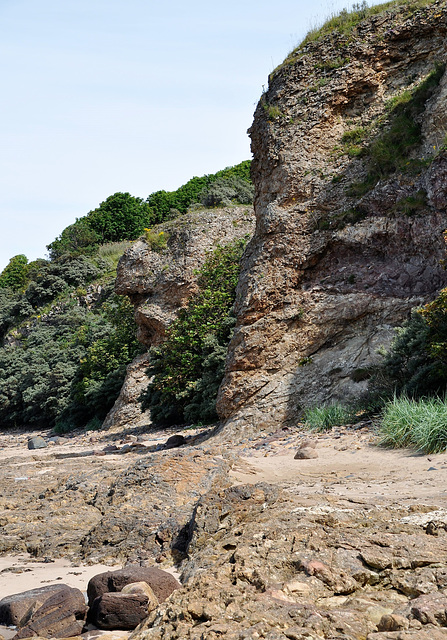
{"x":421,"y":424}
{"x":325,"y":417}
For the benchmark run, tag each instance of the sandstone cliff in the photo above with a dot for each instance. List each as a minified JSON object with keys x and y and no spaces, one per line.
{"x":160,"y":282}
{"x":346,"y":242}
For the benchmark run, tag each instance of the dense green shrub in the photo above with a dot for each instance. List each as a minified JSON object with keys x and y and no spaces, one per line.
{"x":422,"y":424}
{"x":14,"y":275}
{"x":124,"y":217}
{"x":74,"y":239}
{"x":35,"y":377}
{"x":66,"y":368}
{"x":55,"y":278}
{"x":100,"y":375}
{"x":416,"y":364}
{"x":225,"y":191}
{"x":187,"y":368}
{"x":120,"y":217}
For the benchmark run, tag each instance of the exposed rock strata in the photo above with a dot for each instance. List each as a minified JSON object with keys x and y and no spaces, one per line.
{"x":160,"y":283}
{"x":318,"y":293}
{"x":263,"y":566}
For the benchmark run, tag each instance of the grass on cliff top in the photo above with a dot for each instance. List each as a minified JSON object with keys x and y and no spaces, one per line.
{"x":346,"y":21}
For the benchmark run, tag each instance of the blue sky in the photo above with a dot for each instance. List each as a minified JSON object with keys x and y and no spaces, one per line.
{"x":101,"y":96}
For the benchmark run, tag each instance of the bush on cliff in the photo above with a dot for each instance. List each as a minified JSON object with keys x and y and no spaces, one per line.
{"x":124,"y":217}
{"x":188,"y":367}
{"x":416,"y":364}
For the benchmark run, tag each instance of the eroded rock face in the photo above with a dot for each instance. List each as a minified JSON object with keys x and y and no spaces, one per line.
{"x":127,"y":407}
{"x":160,"y":283}
{"x":328,"y":275}
{"x":261,"y":565}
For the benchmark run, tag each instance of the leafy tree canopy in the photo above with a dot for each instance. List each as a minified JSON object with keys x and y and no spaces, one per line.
{"x":14,"y":275}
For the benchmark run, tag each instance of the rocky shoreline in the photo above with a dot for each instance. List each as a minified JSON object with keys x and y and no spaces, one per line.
{"x":348,"y":544}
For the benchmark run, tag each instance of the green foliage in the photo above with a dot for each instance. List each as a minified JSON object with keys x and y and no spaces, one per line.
{"x":77,"y":238}
{"x":35,"y":377}
{"x":345,"y":22}
{"x":14,"y":275}
{"x":225,"y":191}
{"x":120,"y":217}
{"x":99,"y":378}
{"x":391,"y":149}
{"x":54,"y":278}
{"x":416,"y":364}
{"x":327,"y":416}
{"x":156,"y":240}
{"x":422,"y":424}
{"x":272,"y":111}
{"x":124,"y":217}
{"x":188,"y":367}
{"x":163,"y":202}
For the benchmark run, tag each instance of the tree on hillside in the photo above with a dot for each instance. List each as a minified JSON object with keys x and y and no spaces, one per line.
{"x":120,"y":217}
{"x":14,"y":274}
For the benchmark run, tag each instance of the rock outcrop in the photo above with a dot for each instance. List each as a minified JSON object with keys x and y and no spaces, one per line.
{"x":159,"y":283}
{"x":262,"y":565}
{"x":340,"y":255}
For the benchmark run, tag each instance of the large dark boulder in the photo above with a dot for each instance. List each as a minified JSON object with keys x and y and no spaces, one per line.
{"x":161,"y":582}
{"x":121,"y":610}
{"x":57,"y":611}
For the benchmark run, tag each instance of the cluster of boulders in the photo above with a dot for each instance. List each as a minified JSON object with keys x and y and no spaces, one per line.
{"x":116,"y":600}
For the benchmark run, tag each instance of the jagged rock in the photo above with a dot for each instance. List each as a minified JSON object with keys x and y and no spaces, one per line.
{"x":165,"y":487}
{"x":327,"y":274}
{"x":127,"y":407}
{"x":432,"y":633}
{"x":37,"y":443}
{"x":257,"y":562}
{"x":61,"y":615}
{"x":161,"y":283}
{"x":161,"y":582}
{"x":430,"y":609}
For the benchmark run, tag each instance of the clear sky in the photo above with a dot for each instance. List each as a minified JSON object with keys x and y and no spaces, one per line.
{"x":100,"y":96}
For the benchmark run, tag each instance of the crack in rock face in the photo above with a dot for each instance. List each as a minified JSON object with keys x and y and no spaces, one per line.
{"x":336,"y":261}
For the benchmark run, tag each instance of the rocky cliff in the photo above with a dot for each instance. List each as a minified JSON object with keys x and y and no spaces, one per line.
{"x":160,"y":281}
{"x":350,"y":171}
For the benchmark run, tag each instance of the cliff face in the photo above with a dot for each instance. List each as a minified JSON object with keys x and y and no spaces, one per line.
{"x":349,"y":234}
{"x":160,"y":282}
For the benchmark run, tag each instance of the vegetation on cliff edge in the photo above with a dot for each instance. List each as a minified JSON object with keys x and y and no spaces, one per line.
{"x":188,"y":367}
